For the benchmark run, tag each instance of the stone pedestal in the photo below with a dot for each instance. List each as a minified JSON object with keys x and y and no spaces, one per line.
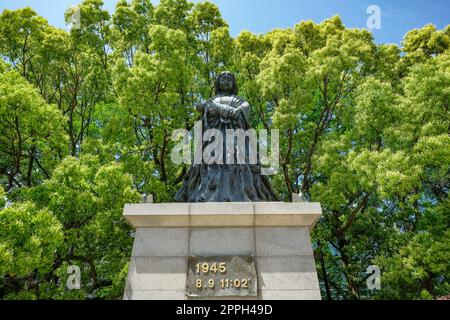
{"x":277,"y":235}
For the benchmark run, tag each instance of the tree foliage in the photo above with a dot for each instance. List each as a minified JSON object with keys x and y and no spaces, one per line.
{"x":87,"y":116}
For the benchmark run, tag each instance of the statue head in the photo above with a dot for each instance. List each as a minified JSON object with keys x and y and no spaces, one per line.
{"x":226,"y":83}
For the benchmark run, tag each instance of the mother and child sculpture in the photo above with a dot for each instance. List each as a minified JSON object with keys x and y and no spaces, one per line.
{"x":224,"y":181}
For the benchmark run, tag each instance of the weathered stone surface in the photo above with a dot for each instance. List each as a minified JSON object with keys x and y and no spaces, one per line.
{"x":287,"y":208}
{"x":224,"y":298}
{"x":156,"y":295}
{"x":287,"y":273}
{"x":157,"y":274}
{"x":277,"y":234}
{"x":275,"y":214}
{"x":222,"y":215}
{"x":183,"y":215}
{"x":161,"y":242}
{"x":225,"y":208}
{"x":222,"y":241}
{"x":290,"y":295}
{"x":145,"y":215}
{"x":283,"y":241}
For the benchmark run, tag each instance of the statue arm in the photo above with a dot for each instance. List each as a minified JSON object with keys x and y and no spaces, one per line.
{"x":214,"y":109}
{"x":225,"y":111}
{"x":210,"y":107}
{"x":244,"y":109}
{"x":234,"y":113}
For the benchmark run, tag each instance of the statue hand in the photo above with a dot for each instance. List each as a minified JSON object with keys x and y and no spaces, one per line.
{"x":211,"y":108}
{"x":236,"y":113}
{"x":206,"y":106}
{"x":226,"y":111}
{"x":200,"y":107}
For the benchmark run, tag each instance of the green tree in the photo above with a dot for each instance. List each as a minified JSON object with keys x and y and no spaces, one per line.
{"x":22,"y":31}
{"x":87,"y":199}
{"x":70,"y":70}
{"x":130,"y":30}
{"x":30,"y":239}
{"x":2,"y":197}
{"x":31,"y":139}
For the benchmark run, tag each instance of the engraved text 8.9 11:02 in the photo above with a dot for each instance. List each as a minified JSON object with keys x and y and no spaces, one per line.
{"x":221,"y":277}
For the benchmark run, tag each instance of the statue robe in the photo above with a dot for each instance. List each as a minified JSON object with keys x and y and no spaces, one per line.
{"x":226,"y":182}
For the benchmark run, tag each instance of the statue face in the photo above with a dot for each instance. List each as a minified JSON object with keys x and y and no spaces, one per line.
{"x":226,"y":83}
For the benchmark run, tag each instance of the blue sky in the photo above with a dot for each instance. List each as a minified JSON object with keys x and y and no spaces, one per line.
{"x":259,"y":16}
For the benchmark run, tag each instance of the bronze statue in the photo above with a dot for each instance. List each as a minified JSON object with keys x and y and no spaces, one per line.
{"x":224,"y":182}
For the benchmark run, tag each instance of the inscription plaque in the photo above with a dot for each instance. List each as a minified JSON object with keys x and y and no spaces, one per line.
{"x":229,"y":276}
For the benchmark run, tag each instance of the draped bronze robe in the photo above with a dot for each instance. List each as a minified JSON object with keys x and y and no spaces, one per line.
{"x":225,"y":182}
